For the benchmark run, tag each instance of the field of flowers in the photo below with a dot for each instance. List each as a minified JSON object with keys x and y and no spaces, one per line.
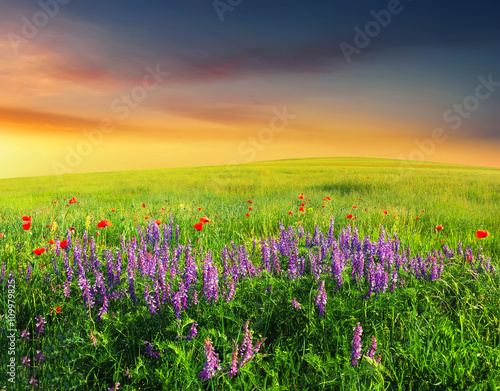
{"x":312,"y":274}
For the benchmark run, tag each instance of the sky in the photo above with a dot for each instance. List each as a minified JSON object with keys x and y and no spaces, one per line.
{"x":92,"y":86}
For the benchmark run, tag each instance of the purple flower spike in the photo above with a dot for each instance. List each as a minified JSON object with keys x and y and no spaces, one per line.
{"x":356,"y":345}
{"x":296,"y":304}
{"x":321,"y":298}
{"x":192,"y":332}
{"x":211,"y":366}
{"x":373,"y":348}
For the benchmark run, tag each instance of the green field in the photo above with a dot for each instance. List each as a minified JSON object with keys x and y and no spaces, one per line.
{"x":431,"y":333}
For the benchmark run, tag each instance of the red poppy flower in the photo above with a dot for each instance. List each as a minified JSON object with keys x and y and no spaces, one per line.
{"x":349,"y":216}
{"x":143,"y":205}
{"x":55,"y":202}
{"x":73,"y":229}
{"x":162,"y":208}
{"x":322,"y":206}
{"x":26,"y":218}
{"x":301,"y":209}
{"x":249,"y":201}
{"x":324,"y":199}
{"x":158,"y":222}
{"x":439,"y":227}
{"x":290,"y":213}
{"x":27,"y":226}
{"x":1,"y":235}
{"x":52,"y":241}
{"x":308,"y":199}
{"x":199,"y":208}
{"x":366,"y":210}
{"x":355,"y":207}
{"x":113,"y":210}
{"x":198,"y":226}
{"x":48,"y":226}
{"x":482,"y":234}
{"x":302,"y":204}
{"x":205,"y":219}
{"x":248,"y":214}
{"x":57,"y":309}
{"x":301,"y":196}
{"x":72,"y":201}
{"x":385,"y":212}
{"x":63,"y":244}
{"x":250,"y":208}
{"x":416,"y":218}
{"x":328,"y":198}
{"x":97,"y":233}
{"x":145,"y":218}
{"x":104,"y":223}
{"x":39,"y":251}
{"x":469,"y":258}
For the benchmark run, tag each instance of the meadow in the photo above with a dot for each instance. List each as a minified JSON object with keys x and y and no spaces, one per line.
{"x":311,"y":274}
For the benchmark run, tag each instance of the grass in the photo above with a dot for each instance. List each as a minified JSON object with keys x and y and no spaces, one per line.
{"x":442,"y":334}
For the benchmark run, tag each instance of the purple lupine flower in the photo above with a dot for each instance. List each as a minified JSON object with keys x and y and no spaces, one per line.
{"x":33,"y":382}
{"x":295,"y":304}
{"x":232,"y":291}
{"x":266,"y":254}
{"x":233,"y":369}
{"x":40,"y":321}
{"x":115,"y":387}
{"x":356,"y":345}
{"x":259,"y":345}
{"x":39,"y":356}
{"x":321,"y":298}
{"x":149,"y":300}
{"x":192,"y":332}
{"x":246,"y":350}
{"x":28,"y":272}
{"x":373,"y":348}
{"x":211,"y":366}
{"x":26,"y":362}
{"x":25,"y":335}
{"x":210,"y":279}
{"x":151,"y":351}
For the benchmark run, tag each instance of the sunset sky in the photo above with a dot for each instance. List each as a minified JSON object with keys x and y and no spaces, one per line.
{"x":120,"y":85}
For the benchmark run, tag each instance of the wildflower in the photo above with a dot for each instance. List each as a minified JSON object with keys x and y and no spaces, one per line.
{"x":26,"y":218}
{"x":233,"y":370}
{"x":72,"y":201}
{"x":151,"y":351}
{"x":40,"y":321}
{"x":1,"y":235}
{"x":63,"y":244}
{"x":296,"y":304}
{"x":198,"y":226}
{"x":385,"y":212}
{"x":249,"y":201}
{"x":321,"y":298}
{"x":115,"y":387}
{"x":439,"y":227}
{"x":143,"y":205}
{"x":25,"y":335}
{"x":205,"y":220}
{"x":26,"y":362}
{"x":355,"y":207}
{"x":211,"y":366}
{"x":52,"y":241}
{"x":373,"y":348}
{"x":158,"y":222}
{"x":482,"y":234}
{"x":93,"y":339}
{"x":39,"y":251}
{"x":104,"y":223}
{"x":33,"y":382}
{"x":301,"y":209}
{"x":248,"y":215}
{"x":39,"y":356}
{"x":250,"y":208}
{"x":192,"y":332}
{"x":301,"y":196}
{"x":290,"y":213}
{"x":349,"y":216}
{"x":356,"y":345}
{"x":27,"y":226}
